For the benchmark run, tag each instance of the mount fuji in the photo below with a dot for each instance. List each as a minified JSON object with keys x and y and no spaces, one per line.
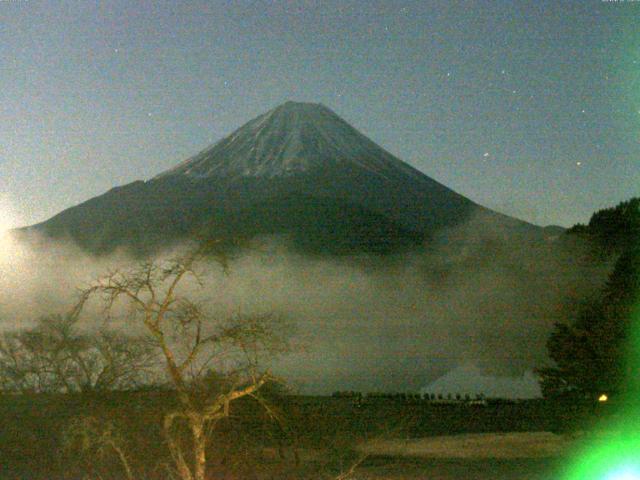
{"x":299,"y":171}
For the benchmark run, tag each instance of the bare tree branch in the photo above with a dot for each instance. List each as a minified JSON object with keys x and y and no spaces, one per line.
{"x":210,"y":362}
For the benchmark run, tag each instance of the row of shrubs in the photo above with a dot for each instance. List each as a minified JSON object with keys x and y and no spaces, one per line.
{"x":408,"y":396}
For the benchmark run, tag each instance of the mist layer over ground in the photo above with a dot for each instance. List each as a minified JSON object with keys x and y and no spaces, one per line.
{"x":473,"y":296}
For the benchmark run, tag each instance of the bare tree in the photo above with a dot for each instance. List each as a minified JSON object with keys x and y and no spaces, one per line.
{"x":96,"y":438}
{"x":210,"y":362}
{"x":55,"y":356}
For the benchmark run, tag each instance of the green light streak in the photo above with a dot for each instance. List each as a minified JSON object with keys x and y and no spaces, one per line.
{"x":614,"y":452}
{"x":614,"y":457}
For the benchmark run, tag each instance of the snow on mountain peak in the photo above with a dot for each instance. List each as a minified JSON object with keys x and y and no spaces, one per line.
{"x":292,"y":138}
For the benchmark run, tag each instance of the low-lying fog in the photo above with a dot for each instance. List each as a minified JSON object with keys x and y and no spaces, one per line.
{"x":367,"y":323}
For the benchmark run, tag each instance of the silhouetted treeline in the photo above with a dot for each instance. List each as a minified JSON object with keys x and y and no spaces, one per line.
{"x":411,"y":396}
{"x":612,"y":230}
{"x":594,"y":352}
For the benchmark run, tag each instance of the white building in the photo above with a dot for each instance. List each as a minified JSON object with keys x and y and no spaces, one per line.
{"x":470,"y":380}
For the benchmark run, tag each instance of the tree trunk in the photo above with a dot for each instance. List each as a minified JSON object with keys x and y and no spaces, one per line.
{"x":123,"y":460}
{"x":174,"y":447}
{"x":199,"y":447}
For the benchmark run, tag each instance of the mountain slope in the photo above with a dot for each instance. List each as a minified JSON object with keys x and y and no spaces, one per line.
{"x":292,"y":138}
{"x":298,"y":170}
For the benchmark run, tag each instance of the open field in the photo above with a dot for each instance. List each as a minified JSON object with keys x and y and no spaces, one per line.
{"x":457,"y":470}
{"x":486,"y":456}
{"x":319,"y":438}
{"x":495,"y":456}
{"x":478,"y":446}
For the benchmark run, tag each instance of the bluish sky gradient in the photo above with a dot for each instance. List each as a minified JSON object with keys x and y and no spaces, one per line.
{"x":531,"y":108}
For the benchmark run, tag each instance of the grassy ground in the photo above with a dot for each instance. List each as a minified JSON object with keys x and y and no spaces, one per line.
{"x":479,"y":446}
{"x":501,"y":456}
{"x":501,"y":441}
{"x":490,"y":456}
{"x":439,"y":469}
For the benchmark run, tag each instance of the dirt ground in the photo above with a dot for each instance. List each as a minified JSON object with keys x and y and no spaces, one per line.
{"x":441,"y":469}
{"x":496,"y":456}
{"x":512,"y":445}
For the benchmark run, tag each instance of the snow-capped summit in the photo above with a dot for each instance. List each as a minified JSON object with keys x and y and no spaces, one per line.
{"x":291,"y":138}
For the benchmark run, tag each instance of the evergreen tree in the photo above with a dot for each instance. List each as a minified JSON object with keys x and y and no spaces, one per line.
{"x":592,"y":353}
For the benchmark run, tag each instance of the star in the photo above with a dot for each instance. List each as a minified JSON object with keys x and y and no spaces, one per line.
{"x":503,"y":72}
{"x":116,"y":50}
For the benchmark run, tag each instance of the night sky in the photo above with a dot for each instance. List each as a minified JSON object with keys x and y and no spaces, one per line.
{"x":530,"y":108}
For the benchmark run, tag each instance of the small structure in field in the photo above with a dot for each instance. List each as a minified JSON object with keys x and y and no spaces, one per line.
{"x":469,"y":381}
